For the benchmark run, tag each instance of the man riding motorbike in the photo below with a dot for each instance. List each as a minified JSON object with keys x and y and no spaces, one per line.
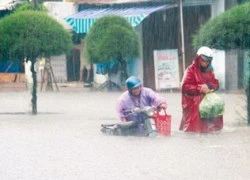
{"x":138,"y":96}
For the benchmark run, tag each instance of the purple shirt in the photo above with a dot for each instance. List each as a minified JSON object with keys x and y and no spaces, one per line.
{"x":127,"y":101}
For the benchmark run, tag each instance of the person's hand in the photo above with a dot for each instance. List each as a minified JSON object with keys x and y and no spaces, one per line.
{"x":124,"y":120}
{"x":204,"y":89}
{"x":163,"y":106}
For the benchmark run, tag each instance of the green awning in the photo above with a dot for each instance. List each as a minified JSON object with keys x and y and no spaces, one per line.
{"x":83,"y":20}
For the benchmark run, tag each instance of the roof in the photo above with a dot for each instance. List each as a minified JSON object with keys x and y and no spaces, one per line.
{"x":83,"y":20}
{"x":186,"y":2}
{"x":8,"y":4}
{"x":60,"y":10}
{"x":109,"y":1}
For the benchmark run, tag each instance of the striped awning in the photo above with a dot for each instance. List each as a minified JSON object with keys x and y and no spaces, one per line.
{"x":83,"y":20}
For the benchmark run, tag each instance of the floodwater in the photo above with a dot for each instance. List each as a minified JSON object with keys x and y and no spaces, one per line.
{"x":63,"y":142}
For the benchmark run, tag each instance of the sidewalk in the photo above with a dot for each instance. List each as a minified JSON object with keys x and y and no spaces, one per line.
{"x":19,"y":87}
{"x":12,"y":87}
{"x":67,"y":86}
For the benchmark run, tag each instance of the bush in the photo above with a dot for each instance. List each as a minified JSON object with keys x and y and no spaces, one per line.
{"x":229,"y":30}
{"x":111,"y":38}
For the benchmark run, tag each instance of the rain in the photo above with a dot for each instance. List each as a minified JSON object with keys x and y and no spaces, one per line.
{"x":63,"y":141}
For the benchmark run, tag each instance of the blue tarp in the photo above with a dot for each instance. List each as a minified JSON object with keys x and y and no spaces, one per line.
{"x":8,"y":67}
{"x":110,"y":67}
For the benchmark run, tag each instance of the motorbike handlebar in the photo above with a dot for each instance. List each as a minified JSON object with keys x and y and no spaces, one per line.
{"x":149,"y":110}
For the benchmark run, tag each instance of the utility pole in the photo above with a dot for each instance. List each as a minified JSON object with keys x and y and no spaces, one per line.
{"x":182,"y":36}
{"x":248,"y":98}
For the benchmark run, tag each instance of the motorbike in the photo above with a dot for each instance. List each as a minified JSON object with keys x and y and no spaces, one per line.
{"x":132,"y":128}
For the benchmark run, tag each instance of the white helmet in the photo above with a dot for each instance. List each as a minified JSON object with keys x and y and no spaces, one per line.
{"x":206,"y":51}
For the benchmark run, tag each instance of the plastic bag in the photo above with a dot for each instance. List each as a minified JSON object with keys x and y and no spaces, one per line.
{"x":211,"y":106}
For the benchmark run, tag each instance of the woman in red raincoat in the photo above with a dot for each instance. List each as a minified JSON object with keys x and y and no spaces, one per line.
{"x":198,"y":80}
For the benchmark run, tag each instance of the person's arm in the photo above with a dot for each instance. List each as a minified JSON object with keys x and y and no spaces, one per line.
{"x":204,"y":88}
{"x":163,"y":106}
{"x":124,"y":119}
{"x":189,"y":85}
{"x":156,"y":100}
{"x":213,"y":83}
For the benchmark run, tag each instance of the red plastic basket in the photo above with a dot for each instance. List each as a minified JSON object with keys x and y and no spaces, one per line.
{"x":163,"y":123}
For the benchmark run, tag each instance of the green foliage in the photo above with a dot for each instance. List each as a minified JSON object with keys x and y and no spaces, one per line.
{"x":29,"y":34}
{"x":30,"y":6}
{"x":111,"y":38}
{"x":229,"y":30}
{"x":243,"y":1}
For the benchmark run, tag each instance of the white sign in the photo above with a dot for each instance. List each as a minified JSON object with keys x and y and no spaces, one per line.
{"x":166,"y":69}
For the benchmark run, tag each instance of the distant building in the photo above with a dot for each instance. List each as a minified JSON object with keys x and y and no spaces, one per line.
{"x":161,"y":29}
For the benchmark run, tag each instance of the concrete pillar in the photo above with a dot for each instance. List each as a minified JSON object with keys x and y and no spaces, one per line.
{"x":231,"y":65}
{"x":218,"y":7}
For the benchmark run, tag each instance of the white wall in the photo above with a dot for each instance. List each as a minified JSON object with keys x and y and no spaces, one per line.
{"x":137,"y":70}
{"x":60,"y":10}
{"x":218,"y":7}
{"x":218,"y":64}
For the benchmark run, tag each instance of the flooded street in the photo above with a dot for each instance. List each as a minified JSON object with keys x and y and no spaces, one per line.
{"x":64,"y":142}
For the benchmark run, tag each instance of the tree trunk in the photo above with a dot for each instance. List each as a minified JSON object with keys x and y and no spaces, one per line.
{"x":34,"y":89}
{"x":248,"y":101}
{"x":35,"y":3}
{"x":248,"y":98}
{"x":124,"y":74}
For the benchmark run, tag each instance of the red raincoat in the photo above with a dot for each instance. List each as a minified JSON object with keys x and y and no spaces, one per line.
{"x":191,"y":98}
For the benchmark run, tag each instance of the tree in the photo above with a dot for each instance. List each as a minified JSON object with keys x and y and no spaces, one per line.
{"x":230,"y":30}
{"x":112,"y":38}
{"x":30,"y":6}
{"x":26,"y":35}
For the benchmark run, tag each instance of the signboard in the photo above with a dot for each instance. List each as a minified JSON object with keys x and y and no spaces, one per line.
{"x":166,"y":69}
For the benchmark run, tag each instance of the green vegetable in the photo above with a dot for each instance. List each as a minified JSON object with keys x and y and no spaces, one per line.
{"x":211,"y":106}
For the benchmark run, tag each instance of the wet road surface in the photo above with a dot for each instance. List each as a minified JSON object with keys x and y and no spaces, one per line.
{"x":63,"y":142}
